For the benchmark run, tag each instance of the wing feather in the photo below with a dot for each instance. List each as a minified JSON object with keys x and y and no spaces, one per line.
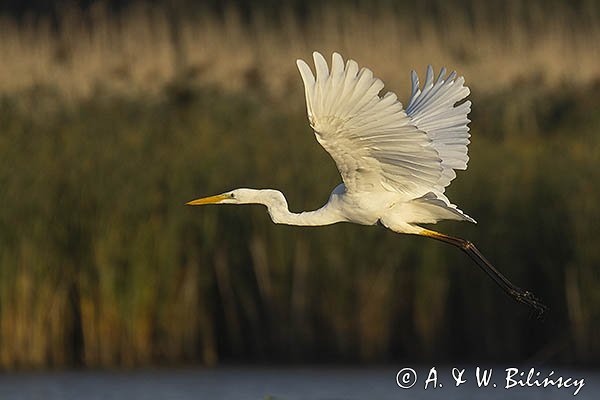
{"x":433,"y":110}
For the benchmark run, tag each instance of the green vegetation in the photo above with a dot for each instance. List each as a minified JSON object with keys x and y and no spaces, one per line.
{"x":101,"y":265}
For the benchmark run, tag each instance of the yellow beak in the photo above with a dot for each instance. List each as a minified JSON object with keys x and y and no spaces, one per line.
{"x":207,"y":200}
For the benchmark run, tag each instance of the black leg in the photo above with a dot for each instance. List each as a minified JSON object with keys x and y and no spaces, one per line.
{"x":520,"y":295}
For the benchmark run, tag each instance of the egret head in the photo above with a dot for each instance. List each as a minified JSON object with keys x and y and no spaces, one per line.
{"x":240,"y":196}
{"x":231,"y":197}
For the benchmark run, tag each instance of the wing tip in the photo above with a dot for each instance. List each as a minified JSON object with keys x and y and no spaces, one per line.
{"x":301,"y":63}
{"x":305,"y":72}
{"x":321,"y":66}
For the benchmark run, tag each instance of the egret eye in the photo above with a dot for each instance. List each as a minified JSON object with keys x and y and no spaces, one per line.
{"x":231,"y":195}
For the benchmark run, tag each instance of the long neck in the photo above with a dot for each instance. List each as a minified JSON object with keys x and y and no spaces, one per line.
{"x":319,"y":217}
{"x":280,"y":214}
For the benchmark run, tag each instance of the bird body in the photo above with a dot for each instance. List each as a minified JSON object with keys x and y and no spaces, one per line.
{"x":386,"y":155}
{"x":395,"y":163}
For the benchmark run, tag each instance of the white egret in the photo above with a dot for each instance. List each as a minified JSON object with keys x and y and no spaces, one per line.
{"x":395,"y":163}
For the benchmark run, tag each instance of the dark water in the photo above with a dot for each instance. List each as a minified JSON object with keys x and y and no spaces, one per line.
{"x":285,"y":383}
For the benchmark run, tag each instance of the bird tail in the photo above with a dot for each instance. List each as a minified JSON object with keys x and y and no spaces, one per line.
{"x":434,"y":207}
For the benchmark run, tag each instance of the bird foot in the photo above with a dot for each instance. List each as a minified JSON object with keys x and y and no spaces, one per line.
{"x":528,"y":298}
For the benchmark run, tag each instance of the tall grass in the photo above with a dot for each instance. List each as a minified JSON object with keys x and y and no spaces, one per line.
{"x":106,"y":132}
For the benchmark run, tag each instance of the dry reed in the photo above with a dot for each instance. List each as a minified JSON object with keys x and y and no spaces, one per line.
{"x":145,"y":48}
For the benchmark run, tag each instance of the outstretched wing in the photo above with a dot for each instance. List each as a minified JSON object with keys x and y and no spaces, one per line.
{"x":433,"y":111}
{"x":376,"y":145}
{"x":372,"y":140}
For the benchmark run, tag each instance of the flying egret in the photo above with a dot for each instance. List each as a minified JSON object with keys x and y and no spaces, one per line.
{"x":395,"y":163}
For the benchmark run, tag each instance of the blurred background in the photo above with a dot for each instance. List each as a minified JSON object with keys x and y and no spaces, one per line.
{"x":114,"y":114}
